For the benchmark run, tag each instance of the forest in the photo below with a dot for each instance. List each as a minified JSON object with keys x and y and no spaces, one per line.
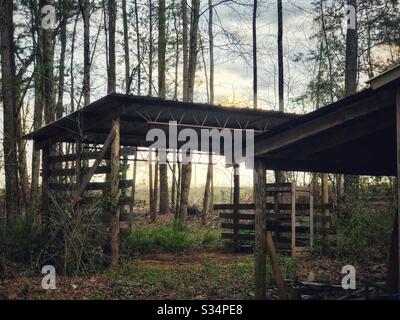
{"x":88,"y":215}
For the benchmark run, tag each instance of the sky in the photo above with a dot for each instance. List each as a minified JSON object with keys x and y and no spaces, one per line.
{"x":233,"y":72}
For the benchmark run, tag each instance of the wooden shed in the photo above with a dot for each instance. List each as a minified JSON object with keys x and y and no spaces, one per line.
{"x":108,"y":129}
{"x":358,"y":135}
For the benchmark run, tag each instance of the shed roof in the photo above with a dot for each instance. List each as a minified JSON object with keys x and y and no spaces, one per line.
{"x":356,"y":135}
{"x":139,"y":114}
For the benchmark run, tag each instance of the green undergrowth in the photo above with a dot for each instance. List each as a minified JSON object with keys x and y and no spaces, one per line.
{"x":170,"y":238}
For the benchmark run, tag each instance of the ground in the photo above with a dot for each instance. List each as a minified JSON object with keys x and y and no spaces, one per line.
{"x":161,"y":262}
{"x":209,"y":274}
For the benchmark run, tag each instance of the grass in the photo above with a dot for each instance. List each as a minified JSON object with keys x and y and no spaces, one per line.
{"x":233,"y":279}
{"x":211,"y":280}
{"x":170,"y":238}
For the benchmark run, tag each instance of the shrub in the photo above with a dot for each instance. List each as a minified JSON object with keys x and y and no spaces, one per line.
{"x":365,"y":235}
{"x":365,"y":224}
{"x":22,"y":241}
{"x":170,"y":238}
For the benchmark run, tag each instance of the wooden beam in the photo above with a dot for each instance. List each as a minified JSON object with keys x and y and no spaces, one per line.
{"x":259,"y":181}
{"x":236,"y":203}
{"x":45,"y":185}
{"x":91,"y":155}
{"x":394,"y":263}
{"x":115,"y":194}
{"x":123,"y":184}
{"x":338,"y":117}
{"x":71,"y":172}
{"x":339,"y":136}
{"x":75,"y":127}
{"x":276,"y":269}
{"x":398,"y":184}
{"x":329,"y":166}
{"x":293,"y":219}
{"x":86,"y":179}
{"x":311,"y":218}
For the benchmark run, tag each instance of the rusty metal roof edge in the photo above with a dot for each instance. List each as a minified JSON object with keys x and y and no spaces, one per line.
{"x":155,"y":100}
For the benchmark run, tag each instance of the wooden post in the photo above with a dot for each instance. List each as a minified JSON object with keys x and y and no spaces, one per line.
{"x":114,"y":192}
{"x":276,"y":269}
{"x":311,"y":218}
{"x":259,"y":182}
{"x":293,"y":219}
{"x":45,"y":184}
{"x":325,"y":201}
{"x":236,"y":203}
{"x":394,"y":264}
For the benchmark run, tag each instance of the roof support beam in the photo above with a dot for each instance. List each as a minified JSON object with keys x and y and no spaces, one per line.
{"x":323,"y":123}
{"x":329,"y":140}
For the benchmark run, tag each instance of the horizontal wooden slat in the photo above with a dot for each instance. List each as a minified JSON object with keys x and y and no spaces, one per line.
{"x":281,"y":206}
{"x":240,"y":216}
{"x":230,"y":236}
{"x":243,"y":206}
{"x":123,"y":184}
{"x":88,"y":200}
{"x":72,"y":172}
{"x":278,"y":216}
{"x":270,"y":186}
{"x":91,"y":155}
{"x":239,"y":226}
{"x":275,"y":228}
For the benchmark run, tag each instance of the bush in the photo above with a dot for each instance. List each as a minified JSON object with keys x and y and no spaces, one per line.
{"x":170,"y":238}
{"x":365,"y":235}
{"x":22,"y":242}
{"x":364,"y":226}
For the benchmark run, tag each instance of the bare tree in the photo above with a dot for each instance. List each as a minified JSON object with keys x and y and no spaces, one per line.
{"x":128,"y":78}
{"x":280,"y":58}
{"x":350,"y":182}
{"x":207,"y":200}
{"x":162,"y":44}
{"x":186,"y":174}
{"x":255,"y":82}
{"x":85,"y":10}
{"x":112,"y":12}
{"x":9,"y":94}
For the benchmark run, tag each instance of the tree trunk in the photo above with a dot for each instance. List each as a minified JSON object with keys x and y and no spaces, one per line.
{"x":9,"y":94}
{"x":138,"y":51}
{"x":48,"y":76}
{"x":128,"y":79}
{"x":151,"y":195}
{"x":185,"y":50}
{"x":162,"y":44}
{"x":61,"y":72}
{"x":85,"y":10}
{"x":37,"y":115}
{"x":351,"y":182}
{"x":280,"y":58}
{"x":111,"y":84}
{"x":193,"y":45}
{"x":255,"y":82}
{"x":115,"y":193}
{"x":151,"y":44}
{"x":187,"y":168}
{"x":207,"y":200}
{"x":207,"y":193}
{"x":211,"y":40}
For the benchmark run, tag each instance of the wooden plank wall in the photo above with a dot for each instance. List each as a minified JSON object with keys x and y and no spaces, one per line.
{"x":309,"y":221}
